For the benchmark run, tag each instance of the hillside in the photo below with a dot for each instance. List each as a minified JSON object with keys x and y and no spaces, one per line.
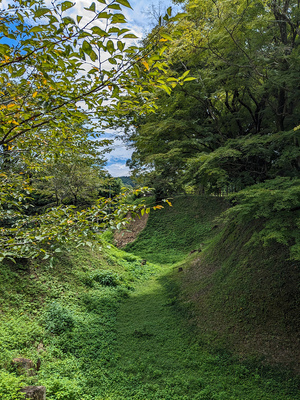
{"x":241,"y":296}
{"x":103,"y":324}
{"x":65,"y":317}
{"x":173,"y":232}
{"x":246,"y":296}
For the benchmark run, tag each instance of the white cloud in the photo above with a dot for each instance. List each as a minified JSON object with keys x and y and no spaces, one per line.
{"x":145,"y":14}
{"x":119,"y":152}
{"x":118,"y":169}
{"x":116,"y":159}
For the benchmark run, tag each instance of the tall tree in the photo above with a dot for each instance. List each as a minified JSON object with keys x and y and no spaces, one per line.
{"x":236,"y":126}
{"x":56,"y":73}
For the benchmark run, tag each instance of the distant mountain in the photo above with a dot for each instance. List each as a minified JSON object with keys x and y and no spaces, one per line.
{"x":127,"y":181}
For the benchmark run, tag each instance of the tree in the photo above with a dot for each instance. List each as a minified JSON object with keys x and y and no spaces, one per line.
{"x":56,"y":73}
{"x":111,"y":187}
{"x":73,"y":181}
{"x":236,"y":125}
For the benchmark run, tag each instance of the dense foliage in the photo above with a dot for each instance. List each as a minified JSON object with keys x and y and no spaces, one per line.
{"x":107,"y":326}
{"x":59,"y":73}
{"x":236,"y":124}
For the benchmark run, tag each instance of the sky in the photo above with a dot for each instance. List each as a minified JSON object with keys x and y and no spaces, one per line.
{"x":140,"y":20}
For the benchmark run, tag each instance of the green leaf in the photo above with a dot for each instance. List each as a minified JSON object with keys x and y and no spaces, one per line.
{"x":124,"y":3}
{"x":19,"y":72}
{"x":86,"y":47}
{"x":166,"y":89}
{"x":162,"y":50}
{"x":83,"y":34}
{"x":98,"y":31}
{"x":78,"y":18}
{"x":68,"y":20}
{"x":120,"y":45}
{"x":115,"y":7}
{"x":114,"y":29}
{"x":93,"y":56}
{"x":66,"y":5}
{"x":36,"y":29}
{"x":179,"y":16}
{"x":41,"y":11}
{"x":166,"y":36}
{"x":116,"y":91}
{"x":118,"y":19}
{"x":190,"y":78}
{"x":137,"y":71}
{"x":110,"y":46}
{"x":130,"y":36}
{"x":184,"y":74}
{"x":104,"y":15}
{"x":92,"y":7}
{"x":124,"y":30}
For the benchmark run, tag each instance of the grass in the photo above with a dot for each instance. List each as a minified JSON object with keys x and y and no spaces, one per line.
{"x":65,"y":316}
{"x":107,"y":327}
{"x":158,"y":358}
{"x":173,"y":232}
{"x":246,"y":297}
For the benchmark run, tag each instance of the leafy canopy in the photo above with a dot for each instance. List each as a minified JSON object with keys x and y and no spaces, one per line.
{"x":58,"y":77}
{"x":236,"y":124}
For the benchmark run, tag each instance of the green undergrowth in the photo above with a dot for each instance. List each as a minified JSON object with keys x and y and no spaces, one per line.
{"x":108,"y":326}
{"x":171,"y":233}
{"x":65,"y":316}
{"x":158,"y":357}
{"x":245,"y":296}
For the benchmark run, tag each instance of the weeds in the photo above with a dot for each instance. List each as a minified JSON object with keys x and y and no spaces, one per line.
{"x":173,"y":232}
{"x":107,"y":327}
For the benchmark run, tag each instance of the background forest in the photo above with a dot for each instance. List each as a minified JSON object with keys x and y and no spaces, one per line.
{"x":234,"y":128}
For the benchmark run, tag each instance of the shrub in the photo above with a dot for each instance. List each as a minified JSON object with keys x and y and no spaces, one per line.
{"x":10,"y":386}
{"x":106,"y":278}
{"x":58,"y":319}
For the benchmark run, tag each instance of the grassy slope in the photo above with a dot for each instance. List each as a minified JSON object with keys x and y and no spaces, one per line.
{"x":65,"y":316}
{"x":233,"y":294}
{"x":247,"y":296}
{"x":173,"y":232}
{"x":128,"y":340}
{"x":159,"y":358}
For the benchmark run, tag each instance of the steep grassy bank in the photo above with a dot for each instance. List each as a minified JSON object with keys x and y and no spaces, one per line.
{"x":174,"y":231}
{"x":159,"y":358}
{"x":241,"y":295}
{"x":246,"y":297}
